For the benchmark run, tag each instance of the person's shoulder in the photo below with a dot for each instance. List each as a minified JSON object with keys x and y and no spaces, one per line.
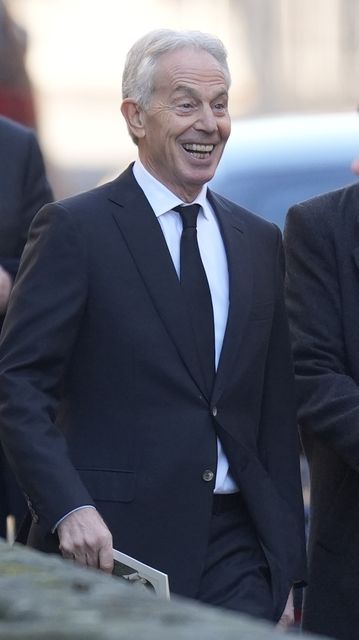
{"x":245,"y":218}
{"x":9,"y":129}
{"x":331,"y":208}
{"x":343,"y":197}
{"x":88,"y":202}
{"x":91,"y":199}
{"x":83,"y":202}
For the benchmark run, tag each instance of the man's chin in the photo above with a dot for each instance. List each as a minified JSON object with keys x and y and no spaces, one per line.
{"x":198,"y":175}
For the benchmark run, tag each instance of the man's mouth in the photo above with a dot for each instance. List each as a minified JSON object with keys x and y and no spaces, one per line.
{"x":200,"y":151}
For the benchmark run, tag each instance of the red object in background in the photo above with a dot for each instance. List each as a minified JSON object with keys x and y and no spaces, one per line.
{"x":18,"y":104}
{"x":16,"y":95}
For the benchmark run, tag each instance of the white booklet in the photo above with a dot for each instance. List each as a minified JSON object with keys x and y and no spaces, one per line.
{"x":136,"y":571}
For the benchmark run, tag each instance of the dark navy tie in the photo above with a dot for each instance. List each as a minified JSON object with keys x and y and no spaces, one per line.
{"x":195,"y":286}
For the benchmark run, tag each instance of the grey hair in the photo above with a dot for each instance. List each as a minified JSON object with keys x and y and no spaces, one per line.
{"x":141,"y":60}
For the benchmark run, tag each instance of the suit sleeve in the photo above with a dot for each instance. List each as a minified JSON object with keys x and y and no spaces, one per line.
{"x":279,"y":439}
{"x":34,"y":192}
{"x":41,"y":325}
{"x":328,"y":397}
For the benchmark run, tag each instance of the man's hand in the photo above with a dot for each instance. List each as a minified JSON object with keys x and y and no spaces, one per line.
{"x":287,"y":618}
{"x":5,"y":288}
{"x":85,"y":539}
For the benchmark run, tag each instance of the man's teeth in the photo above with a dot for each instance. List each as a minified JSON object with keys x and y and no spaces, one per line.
{"x":199,"y":148}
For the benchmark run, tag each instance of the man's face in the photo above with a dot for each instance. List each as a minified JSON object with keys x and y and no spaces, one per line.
{"x":187,"y":124}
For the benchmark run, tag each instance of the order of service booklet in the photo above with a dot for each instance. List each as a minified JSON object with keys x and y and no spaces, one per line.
{"x":136,"y":571}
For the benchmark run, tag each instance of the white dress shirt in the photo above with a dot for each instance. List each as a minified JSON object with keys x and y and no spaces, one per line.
{"x":214,"y":259}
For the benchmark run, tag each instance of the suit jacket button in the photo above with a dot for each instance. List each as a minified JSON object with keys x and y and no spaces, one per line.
{"x":214,"y":411}
{"x":207,"y":475}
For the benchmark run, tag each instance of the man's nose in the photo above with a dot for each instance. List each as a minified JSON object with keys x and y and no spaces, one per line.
{"x":207,"y":120}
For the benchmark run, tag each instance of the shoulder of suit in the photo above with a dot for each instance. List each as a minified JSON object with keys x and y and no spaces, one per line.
{"x":330,"y":207}
{"x":11,"y":130}
{"x":244,"y":216}
{"x":86,"y":200}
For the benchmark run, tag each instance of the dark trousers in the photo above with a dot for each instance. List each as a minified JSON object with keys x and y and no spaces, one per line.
{"x":236,"y":574}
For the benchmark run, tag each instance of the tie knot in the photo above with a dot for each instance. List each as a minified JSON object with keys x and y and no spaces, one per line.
{"x":188,"y":214}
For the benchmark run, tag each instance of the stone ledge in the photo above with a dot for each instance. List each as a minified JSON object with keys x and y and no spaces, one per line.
{"x":43,"y":597}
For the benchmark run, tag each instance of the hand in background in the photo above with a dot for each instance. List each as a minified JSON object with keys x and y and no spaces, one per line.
{"x":85,"y":538}
{"x":287,"y":617}
{"x":5,"y":289}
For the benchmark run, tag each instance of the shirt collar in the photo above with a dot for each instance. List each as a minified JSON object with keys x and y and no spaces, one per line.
{"x":160,"y":198}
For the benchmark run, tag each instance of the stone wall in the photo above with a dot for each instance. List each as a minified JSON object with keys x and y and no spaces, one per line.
{"x":46,"y":598}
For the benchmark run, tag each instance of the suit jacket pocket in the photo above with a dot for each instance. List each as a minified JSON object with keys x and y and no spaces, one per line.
{"x":109,"y":485}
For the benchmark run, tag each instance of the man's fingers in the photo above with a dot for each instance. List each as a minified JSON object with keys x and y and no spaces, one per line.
{"x":106,"y":559}
{"x":85,"y":538}
{"x":68,"y":555}
{"x":92,"y":554}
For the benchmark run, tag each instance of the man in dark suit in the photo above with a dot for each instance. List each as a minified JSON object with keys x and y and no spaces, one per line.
{"x":322,"y":239}
{"x":23,"y":191}
{"x":111,"y":411}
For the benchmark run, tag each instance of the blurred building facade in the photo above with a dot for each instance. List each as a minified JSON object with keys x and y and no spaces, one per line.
{"x":285,"y":55}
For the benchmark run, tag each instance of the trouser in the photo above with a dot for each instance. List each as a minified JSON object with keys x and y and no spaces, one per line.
{"x":236,"y":574}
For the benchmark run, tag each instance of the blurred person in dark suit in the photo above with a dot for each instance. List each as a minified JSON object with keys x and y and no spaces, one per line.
{"x":322,"y":257}
{"x":16,"y":93}
{"x":23,"y":191}
{"x":147,"y":392}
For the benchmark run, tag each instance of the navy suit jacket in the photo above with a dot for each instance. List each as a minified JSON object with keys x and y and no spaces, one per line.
{"x":322,"y":250}
{"x":101,"y":393}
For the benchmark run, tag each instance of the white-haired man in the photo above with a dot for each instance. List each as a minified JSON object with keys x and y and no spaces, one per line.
{"x":149,"y":384}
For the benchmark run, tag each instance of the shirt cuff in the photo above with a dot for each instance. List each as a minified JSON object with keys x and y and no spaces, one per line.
{"x":84,"y":506}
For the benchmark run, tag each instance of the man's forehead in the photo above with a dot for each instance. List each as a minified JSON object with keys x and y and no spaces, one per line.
{"x":189,"y":61}
{"x":185,"y":69}
{"x":191,"y":90}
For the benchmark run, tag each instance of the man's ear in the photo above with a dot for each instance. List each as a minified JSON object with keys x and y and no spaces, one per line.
{"x":133,"y":115}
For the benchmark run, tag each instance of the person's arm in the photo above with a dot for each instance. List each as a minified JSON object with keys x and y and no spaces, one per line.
{"x":36,"y":189}
{"x":328,"y":397}
{"x":278,"y":439}
{"x":34,"y":194}
{"x":39,"y":332}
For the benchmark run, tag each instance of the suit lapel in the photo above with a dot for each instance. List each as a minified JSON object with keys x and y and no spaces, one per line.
{"x":240,"y":290}
{"x":146,"y":243}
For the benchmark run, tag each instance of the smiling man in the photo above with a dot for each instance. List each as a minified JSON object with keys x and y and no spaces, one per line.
{"x":146,"y":388}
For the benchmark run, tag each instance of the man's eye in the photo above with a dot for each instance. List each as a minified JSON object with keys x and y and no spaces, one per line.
{"x":186,"y":105}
